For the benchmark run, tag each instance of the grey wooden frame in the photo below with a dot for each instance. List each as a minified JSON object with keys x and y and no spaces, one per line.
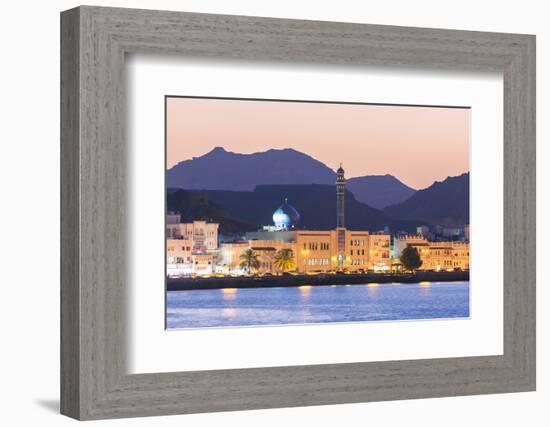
{"x":94,"y":382}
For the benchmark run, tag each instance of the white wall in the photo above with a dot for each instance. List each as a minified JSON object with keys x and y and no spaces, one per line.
{"x":29,"y":168}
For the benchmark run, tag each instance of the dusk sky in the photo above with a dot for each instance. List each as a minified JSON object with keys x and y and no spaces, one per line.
{"x":418,"y":145}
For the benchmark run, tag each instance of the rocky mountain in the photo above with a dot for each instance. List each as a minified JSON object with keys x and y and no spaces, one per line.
{"x":223,"y":170}
{"x":379,"y":191}
{"x":445,"y":203}
{"x":316,"y":204}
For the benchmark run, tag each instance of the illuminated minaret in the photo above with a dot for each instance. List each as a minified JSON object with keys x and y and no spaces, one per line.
{"x":340,"y":192}
{"x":340,"y":224}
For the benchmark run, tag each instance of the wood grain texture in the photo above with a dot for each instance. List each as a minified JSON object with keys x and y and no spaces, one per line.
{"x":94,"y":204}
{"x":70,"y":297}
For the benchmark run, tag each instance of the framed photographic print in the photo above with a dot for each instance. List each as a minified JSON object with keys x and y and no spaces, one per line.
{"x":262,"y":213}
{"x":262,"y":232}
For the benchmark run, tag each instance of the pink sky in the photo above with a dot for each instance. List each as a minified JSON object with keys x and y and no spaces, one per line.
{"x":418,"y":145}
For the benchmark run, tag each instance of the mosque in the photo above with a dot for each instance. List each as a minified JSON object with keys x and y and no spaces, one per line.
{"x":315,"y":251}
{"x":285,"y":217}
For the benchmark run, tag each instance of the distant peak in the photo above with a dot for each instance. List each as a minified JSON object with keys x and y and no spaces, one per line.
{"x":215,"y":152}
{"x":218,"y":150}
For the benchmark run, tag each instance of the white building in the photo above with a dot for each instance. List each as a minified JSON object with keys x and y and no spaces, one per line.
{"x":191,"y":248}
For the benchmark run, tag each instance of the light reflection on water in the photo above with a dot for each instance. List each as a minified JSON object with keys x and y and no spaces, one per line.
{"x":229,"y":294}
{"x":316,"y":304}
{"x":305,"y":290}
{"x":229,"y":312}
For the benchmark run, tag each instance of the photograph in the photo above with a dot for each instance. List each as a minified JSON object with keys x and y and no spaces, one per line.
{"x":295,"y":212}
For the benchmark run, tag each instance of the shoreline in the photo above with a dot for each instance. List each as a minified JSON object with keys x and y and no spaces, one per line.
{"x":198,"y":283}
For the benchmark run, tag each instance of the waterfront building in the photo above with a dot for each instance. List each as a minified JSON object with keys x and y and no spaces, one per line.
{"x":379,"y":252}
{"x":231,"y":253}
{"x":204,"y":235}
{"x":266,"y":251}
{"x":400,"y":242}
{"x":447,"y":255}
{"x":315,"y":251}
{"x":191,"y":248}
{"x":436,"y":256}
{"x":179,"y":256}
{"x":230,"y":257}
{"x":324,"y":251}
{"x":342,"y":249}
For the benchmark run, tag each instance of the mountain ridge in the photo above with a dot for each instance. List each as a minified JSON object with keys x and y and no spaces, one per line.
{"x":379,"y":191}
{"x":242,"y":172}
{"x":445,"y":203}
{"x":227,"y":170}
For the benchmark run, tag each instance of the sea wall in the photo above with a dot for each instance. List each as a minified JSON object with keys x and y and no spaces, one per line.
{"x":182,"y":284}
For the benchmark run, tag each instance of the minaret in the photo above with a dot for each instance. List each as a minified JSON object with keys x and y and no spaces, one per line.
{"x":340,"y":193}
{"x":340,"y":224}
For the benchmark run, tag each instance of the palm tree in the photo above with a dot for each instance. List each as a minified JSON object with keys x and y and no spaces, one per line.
{"x":249,"y":260}
{"x":284,"y":259}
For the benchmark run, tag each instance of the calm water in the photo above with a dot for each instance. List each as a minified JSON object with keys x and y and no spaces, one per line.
{"x":278,"y":306}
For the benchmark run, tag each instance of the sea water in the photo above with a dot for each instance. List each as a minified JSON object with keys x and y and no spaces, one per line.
{"x":316,"y":304}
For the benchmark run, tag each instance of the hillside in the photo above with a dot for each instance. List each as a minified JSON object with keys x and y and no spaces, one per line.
{"x":196,"y":206}
{"x":445,"y":203}
{"x":224,"y":170}
{"x":379,"y":191}
{"x":315,"y":203}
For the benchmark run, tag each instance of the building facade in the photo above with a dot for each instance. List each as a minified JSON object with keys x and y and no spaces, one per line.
{"x":314,"y":251}
{"x":191,"y":248}
{"x":437,"y":256}
{"x":230,"y":258}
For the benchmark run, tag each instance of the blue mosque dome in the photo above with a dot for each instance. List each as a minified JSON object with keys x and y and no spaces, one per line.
{"x":286,"y":216}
